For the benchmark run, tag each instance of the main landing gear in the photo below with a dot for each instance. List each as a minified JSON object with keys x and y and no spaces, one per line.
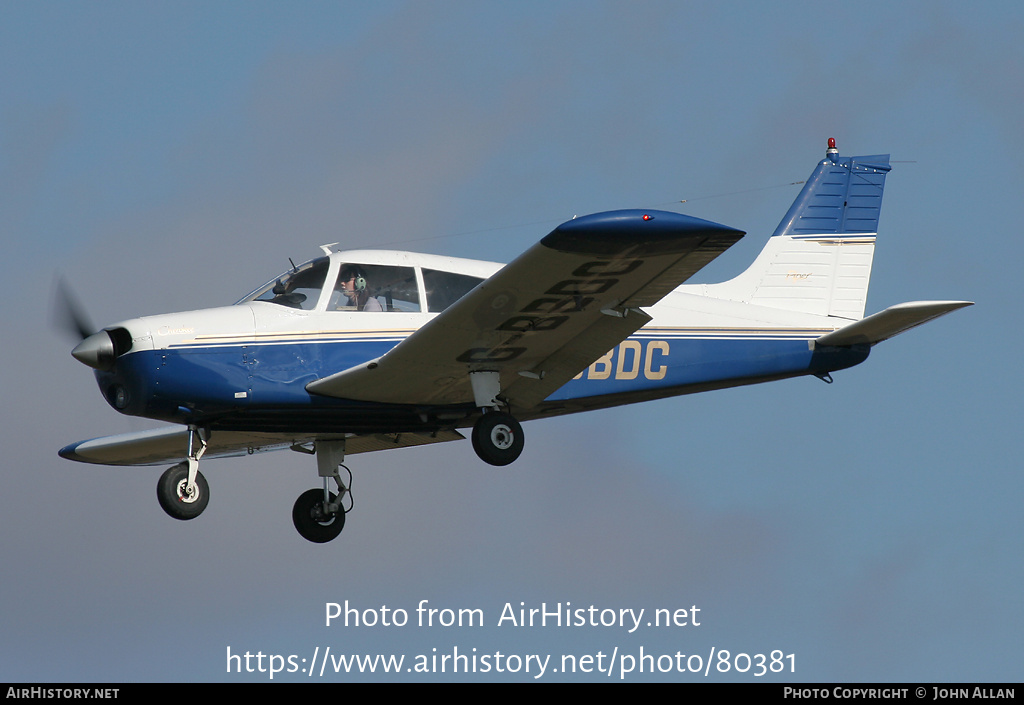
{"x":319,"y":514}
{"x":497,"y":436}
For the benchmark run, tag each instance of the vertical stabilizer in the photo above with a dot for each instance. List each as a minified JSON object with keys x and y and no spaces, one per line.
{"x":819,"y":258}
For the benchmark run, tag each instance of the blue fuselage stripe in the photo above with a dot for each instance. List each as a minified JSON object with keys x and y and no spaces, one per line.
{"x":222,"y":379}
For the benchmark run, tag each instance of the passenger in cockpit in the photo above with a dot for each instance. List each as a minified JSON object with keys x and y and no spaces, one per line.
{"x":352,"y":282}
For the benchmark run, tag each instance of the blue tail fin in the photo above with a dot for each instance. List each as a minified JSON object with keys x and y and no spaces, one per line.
{"x":842,"y":196}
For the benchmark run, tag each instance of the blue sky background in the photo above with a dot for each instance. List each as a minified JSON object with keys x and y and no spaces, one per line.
{"x":170,"y":156}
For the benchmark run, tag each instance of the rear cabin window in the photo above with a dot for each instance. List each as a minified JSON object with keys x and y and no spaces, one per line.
{"x":445,"y":288}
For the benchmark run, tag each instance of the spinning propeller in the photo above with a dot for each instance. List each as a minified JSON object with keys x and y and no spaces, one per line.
{"x":97,"y":349}
{"x":68,"y":314}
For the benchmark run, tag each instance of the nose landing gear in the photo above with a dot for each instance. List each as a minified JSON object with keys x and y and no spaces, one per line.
{"x":182,"y":490}
{"x":177,"y":498}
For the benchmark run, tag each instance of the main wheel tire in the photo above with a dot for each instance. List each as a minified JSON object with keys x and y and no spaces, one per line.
{"x":174,"y":497}
{"x":497,"y":438}
{"x":310,"y":520}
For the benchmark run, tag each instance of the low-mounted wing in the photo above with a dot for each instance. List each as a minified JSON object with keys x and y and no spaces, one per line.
{"x":169,"y":445}
{"x":544,"y":317}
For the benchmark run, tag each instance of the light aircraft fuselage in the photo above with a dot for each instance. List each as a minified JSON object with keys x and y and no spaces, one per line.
{"x":371,"y":349}
{"x":246,"y":367}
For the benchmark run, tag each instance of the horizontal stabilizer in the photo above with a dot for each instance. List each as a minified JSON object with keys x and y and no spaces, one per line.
{"x":892,"y":321}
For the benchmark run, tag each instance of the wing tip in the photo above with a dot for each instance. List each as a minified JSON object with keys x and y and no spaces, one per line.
{"x":636,"y":232}
{"x":68,"y":452}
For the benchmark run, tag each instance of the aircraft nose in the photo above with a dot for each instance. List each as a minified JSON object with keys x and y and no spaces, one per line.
{"x":96,"y":351}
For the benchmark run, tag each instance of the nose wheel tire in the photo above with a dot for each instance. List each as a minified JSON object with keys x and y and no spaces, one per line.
{"x":174,"y":496}
{"x":311,"y":520}
{"x":497,"y":438}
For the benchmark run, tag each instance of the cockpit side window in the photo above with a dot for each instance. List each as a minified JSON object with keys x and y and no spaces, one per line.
{"x":375,"y":287}
{"x":298,"y":288}
{"x":445,"y":288}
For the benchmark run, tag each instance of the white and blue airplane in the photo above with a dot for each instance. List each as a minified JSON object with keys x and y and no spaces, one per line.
{"x":367,"y":350}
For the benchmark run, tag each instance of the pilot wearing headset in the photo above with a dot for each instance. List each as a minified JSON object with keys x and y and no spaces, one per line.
{"x":352,"y":282}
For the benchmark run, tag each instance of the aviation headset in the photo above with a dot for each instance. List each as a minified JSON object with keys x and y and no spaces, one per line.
{"x":360,"y":279}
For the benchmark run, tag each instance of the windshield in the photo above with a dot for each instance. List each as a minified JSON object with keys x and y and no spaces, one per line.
{"x":299,"y":287}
